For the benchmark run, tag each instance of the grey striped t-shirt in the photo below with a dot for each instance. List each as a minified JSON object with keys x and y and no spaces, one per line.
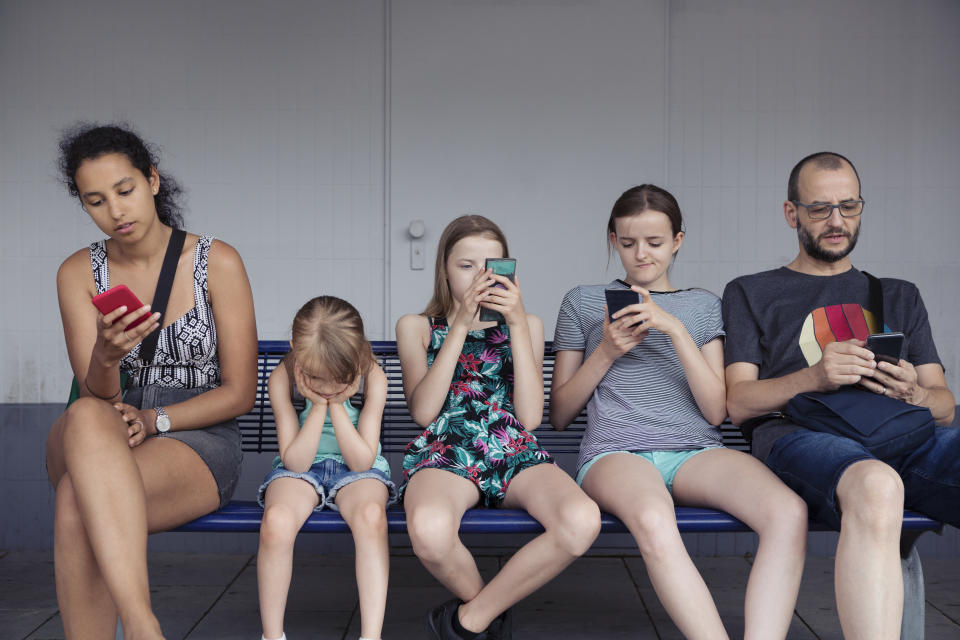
{"x":643,"y":402}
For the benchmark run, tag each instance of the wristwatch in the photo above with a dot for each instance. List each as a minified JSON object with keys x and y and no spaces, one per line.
{"x":163,"y":420}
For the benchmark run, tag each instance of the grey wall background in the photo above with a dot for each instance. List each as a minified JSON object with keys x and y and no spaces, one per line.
{"x":309,"y":135}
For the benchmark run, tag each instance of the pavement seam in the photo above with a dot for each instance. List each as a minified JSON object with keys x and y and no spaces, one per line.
{"x":40,"y":626}
{"x":646,"y":609}
{"x":353,"y":613}
{"x":219,"y":596}
{"x":943,"y":613}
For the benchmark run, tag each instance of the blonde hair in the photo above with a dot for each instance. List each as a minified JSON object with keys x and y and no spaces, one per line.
{"x":463,"y":227}
{"x":328,"y":332}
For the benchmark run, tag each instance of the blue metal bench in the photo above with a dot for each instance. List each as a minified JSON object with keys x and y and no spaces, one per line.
{"x":259,"y":435}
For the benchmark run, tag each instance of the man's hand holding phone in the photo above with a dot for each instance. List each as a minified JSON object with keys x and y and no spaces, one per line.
{"x":843,"y":363}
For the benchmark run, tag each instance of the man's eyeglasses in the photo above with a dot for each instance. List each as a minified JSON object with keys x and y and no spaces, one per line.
{"x":823,"y":210}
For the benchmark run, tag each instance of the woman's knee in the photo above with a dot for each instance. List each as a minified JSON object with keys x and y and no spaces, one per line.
{"x":279,"y":526}
{"x":786,"y":517}
{"x":433,"y":532}
{"x":578,"y":525}
{"x":88,"y":420}
{"x":870,"y":494}
{"x":655,"y":530}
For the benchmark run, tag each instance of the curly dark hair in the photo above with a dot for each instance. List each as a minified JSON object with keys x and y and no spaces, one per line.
{"x":85,"y":140}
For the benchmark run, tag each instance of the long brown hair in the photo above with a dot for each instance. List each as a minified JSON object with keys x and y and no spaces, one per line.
{"x":328,"y":333}
{"x":470,"y":225}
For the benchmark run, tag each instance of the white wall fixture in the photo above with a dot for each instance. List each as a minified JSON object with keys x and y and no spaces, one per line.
{"x":416,"y":230}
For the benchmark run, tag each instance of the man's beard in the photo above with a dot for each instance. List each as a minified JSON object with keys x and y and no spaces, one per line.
{"x":813,"y":249}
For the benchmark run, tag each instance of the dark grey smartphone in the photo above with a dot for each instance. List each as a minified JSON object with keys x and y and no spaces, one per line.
{"x":504,"y":267}
{"x":618,"y":299}
{"x":886,"y":346}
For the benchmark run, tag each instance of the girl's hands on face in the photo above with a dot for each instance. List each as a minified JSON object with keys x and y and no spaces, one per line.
{"x":477,"y":293}
{"x":113,"y":342}
{"x":507,"y":300}
{"x":140,"y":423}
{"x":304,"y":386}
{"x":351,"y":389}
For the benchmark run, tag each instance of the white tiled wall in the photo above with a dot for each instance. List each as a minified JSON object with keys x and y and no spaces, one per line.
{"x":756,"y":85}
{"x":284,"y":118}
{"x":270,"y":113}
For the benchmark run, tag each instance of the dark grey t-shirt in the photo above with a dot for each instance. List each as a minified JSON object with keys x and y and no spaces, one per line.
{"x":780,"y":320}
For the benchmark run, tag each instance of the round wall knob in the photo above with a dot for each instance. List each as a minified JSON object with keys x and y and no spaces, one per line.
{"x":417,"y":229}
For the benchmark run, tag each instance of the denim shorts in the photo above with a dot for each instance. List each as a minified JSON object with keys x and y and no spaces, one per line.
{"x":328,"y":477}
{"x":811,"y":463}
{"x":666,"y":462}
{"x":217,"y":445}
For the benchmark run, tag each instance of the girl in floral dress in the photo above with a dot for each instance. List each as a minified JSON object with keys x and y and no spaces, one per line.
{"x":477,"y":388}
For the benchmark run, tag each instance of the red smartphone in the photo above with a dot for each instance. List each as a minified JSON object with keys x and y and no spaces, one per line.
{"x":116,"y":297}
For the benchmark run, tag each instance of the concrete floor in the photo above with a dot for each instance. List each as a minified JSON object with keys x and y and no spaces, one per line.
{"x":210,"y":596}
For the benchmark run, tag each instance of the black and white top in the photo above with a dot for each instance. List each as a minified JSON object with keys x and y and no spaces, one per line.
{"x":186,"y":355}
{"x":644,"y":402}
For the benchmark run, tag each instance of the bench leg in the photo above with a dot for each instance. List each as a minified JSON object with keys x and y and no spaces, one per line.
{"x":914,"y":600}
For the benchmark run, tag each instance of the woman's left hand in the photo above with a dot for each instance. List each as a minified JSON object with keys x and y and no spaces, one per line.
{"x":506,"y":299}
{"x":140,"y":423}
{"x":651,"y":315}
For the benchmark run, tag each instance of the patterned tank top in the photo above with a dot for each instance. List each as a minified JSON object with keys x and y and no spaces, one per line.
{"x":186,"y":355}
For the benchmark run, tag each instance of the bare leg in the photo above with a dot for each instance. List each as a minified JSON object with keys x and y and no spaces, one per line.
{"x":435,"y":501}
{"x":287,"y":505}
{"x":362,"y":504}
{"x":744,"y":487}
{"x":86,"y":607}
{"x":632,"y":489}
{"x":157,"y":485}
{"x":867,"y":576}
{"x":572,"y":522}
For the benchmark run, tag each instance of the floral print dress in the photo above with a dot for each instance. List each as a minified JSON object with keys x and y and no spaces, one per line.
{"x":476,"y":434}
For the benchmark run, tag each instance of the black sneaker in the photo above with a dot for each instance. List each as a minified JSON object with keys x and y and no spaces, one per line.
{"x":440,"y":621}
{"x":502,"y":626}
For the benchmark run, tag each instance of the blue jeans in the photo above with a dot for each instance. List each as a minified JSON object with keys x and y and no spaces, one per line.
{"x":811,"y":463}
{"x":327,"y":477}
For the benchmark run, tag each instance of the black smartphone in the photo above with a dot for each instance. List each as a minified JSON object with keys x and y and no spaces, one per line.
{"x":886,"y":347}
{"x":618,"y":299}
{"x":504,"y":267}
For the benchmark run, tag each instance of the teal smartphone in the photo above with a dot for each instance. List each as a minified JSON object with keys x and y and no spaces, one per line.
{"x":504,"y":267}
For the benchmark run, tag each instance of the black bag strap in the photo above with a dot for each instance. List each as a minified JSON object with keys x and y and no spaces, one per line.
{"x":876,"y":298}
{"x":160,"y":297}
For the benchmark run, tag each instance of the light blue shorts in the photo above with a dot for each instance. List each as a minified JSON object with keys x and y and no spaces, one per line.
{"x":666,"y":462}
{"x":328,"y":477}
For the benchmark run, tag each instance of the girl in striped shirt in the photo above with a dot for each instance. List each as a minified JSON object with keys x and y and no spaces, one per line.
{"x":653,"y":384}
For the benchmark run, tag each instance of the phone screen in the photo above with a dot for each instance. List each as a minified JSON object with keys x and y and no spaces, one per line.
{"x":503,"y":267}
{"x":618,"y":299}
{"x":886,"y":347}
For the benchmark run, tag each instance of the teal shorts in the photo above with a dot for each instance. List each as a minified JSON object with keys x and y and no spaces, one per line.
{"x":666,"y":462}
